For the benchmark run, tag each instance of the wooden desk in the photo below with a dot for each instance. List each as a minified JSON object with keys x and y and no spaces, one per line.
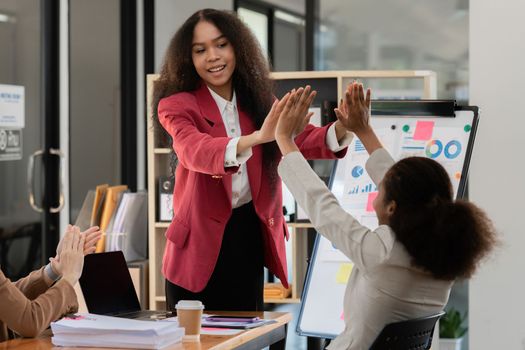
{"x":273,"y":335}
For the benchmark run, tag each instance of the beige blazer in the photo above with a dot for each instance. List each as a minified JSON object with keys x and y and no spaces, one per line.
{"x":384,"y":286}
{"x":30,"y":304}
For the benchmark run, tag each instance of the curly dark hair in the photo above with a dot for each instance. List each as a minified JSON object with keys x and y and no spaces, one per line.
{"x":251,"y":77}
{"x":444,"y":237}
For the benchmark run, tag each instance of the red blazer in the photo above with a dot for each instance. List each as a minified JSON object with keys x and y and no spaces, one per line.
{"x":203,"y":188}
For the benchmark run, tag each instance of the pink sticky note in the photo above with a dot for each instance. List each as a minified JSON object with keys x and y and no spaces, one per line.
{"x":423,"y":130}
{"x":342,"y":317}
{"x":370,"y":203}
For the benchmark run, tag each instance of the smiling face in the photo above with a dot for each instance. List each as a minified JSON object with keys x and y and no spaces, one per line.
{"x":214,"y":58}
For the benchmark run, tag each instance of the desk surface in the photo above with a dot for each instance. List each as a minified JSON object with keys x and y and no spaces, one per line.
{"x":264,"y":335}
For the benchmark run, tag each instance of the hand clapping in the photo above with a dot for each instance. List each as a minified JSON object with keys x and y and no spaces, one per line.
{"x":70,"y":261}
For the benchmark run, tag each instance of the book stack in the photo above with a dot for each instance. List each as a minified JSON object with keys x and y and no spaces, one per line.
{"x":114,"y":332}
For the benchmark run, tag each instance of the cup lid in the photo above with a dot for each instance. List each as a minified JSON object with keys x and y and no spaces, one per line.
{"x":190,"y":305}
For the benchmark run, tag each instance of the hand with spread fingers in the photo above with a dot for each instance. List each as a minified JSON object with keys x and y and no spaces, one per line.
{"x":293,"y":118}
{"x":92,"y":235}
{"x":354,"y":109}
{"x":267,"y":131}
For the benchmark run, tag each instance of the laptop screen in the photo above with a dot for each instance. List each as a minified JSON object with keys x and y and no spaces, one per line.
{"x":107,"y":285}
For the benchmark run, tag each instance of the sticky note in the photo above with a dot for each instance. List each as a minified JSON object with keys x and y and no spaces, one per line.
{"x":344,"y":273}
{"x":342,"y":317}
{"x":370,"y":203}
{"x":424,"y":130}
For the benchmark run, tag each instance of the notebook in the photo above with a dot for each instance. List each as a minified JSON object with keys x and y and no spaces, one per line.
{"x":108,"y":288}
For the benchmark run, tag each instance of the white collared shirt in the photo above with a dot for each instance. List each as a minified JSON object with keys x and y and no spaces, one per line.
{"x":241,"y":193}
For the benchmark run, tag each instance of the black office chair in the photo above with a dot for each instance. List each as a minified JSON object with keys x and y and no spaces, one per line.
{"x":407,"y":335}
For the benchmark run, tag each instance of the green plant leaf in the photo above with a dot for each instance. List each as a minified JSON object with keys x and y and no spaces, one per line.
{"x":451,"y":324}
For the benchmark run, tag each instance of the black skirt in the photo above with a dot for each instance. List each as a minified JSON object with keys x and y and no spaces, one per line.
{"x":237,"y":281}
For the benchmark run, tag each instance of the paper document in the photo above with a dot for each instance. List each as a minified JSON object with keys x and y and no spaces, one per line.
{"x":106,"y":331}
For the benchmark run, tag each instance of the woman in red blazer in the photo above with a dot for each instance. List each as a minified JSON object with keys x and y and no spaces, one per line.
{"x":214,"y":97}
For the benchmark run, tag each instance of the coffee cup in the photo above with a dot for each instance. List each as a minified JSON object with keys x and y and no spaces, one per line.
{"x":189,"y":313}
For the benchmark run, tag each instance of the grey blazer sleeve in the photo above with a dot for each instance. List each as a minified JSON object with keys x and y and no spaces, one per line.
{"x":366,"y":248}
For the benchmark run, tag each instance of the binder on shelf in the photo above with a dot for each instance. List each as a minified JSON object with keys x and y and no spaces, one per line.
{"x":129,"y":228}
{"x":110,"y":204}
{"x":111,"y":223}
{"x":96,"y":211}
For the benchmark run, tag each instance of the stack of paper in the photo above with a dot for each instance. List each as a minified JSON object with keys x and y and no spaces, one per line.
{"x":106,"y":331}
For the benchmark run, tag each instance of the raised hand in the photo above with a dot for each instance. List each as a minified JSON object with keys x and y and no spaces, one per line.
{"x":294,"y":118}
{"x":92,"y":235}
{"x":354,"y":111}
{"x":267,"y":131}
{"x":70,"y":261}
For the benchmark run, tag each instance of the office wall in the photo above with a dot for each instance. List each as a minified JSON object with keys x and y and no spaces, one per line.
{"x":169,"y":16}
{"x":497,"y":76}
{"x":94,"y":97}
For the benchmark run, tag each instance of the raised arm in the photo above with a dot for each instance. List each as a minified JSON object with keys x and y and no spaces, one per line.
{"x":354,"y":114}
{"x":364,"y":247}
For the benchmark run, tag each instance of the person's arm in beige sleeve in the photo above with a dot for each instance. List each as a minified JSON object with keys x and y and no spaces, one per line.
{"x":30,"y":317}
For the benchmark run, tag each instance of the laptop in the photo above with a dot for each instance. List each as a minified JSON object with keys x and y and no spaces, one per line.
{"x":108,"y":288}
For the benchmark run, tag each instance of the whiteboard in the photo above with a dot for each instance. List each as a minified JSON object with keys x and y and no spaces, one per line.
{"x":448,"y":140}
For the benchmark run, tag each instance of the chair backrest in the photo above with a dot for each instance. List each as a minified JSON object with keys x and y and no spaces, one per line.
{"x":407,"y":335}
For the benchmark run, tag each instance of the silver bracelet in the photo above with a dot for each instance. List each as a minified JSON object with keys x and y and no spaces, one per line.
{"x":51,"y":273}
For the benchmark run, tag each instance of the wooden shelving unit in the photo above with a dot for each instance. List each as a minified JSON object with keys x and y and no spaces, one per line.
{"x":158,"y":165}
{"x":330,"y":85}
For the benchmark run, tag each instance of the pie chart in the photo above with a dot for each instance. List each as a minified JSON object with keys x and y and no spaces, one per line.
{"x":434,"y":148}
{"x":357,"y":171}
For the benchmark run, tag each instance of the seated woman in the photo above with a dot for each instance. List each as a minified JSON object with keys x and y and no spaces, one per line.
{"x":30,"y":304}
{"x":405,"y":268}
